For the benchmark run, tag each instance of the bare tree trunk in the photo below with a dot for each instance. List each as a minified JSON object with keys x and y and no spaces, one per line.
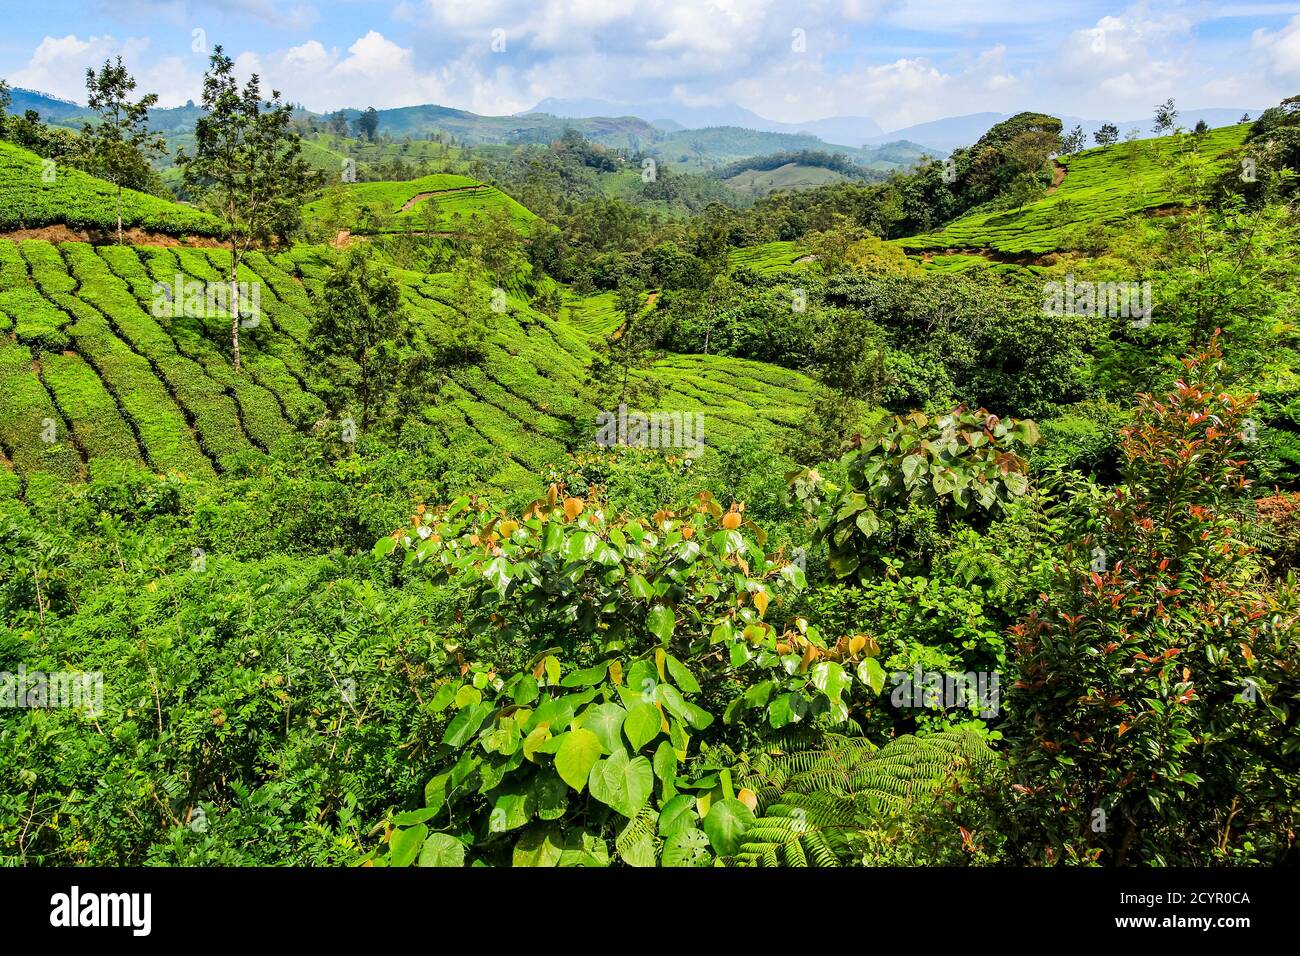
{"x":119,"y":214}
{"x":234,"y":306}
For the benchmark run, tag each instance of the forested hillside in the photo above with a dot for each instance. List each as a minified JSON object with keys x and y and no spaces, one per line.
{"x":540,"y":501}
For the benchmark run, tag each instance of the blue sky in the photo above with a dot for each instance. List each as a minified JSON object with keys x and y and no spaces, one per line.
{"x":897,"y":61}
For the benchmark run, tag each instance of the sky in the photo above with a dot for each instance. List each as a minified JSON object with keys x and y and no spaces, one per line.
{"x":899,"y":62}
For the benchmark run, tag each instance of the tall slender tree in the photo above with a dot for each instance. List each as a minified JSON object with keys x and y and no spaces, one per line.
{"x":120,"y":141}
{"x":617,"y":364}
{"x":247,"y":166}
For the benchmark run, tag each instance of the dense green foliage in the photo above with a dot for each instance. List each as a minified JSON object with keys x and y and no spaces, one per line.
{"x":34,"y":195}
{"x":954,"y":577}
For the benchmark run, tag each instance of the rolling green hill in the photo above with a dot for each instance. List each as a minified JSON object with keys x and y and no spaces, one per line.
{"x":761,"y":182}
{"x":35,"y":193}
{"x":701,"y":150}
{"x":394,"y":206}
{"x":1101,"y":185}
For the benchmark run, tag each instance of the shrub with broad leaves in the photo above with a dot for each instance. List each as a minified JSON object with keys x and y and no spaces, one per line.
{"x":601,"y":652}
{"x":962,"y":466}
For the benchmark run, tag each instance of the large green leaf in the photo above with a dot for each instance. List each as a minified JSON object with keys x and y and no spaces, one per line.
{"x":785,"y":710}
{"x":677,"y":814}
{"x":466,"y":723}
{"x":829,"y":678}
{"x":681,"y":675}
{"x":539,"y":846}
{"x":636,"y":844}
{"x":583,"y":848}
{"x":606,"y":722}
{"x":511,"y":809}
{"x":551,"y":794}
{"x":585,"y":677}
{"x":661,"y":622}
{"x":622,"y":783}
{"x":442,"y":850}
{"x":403,"y":845}
{"x":642,"y":725}
{"x":577,"y":754}
{"x":726,"y":825}
{"x":871,"y":674}
{"x":689,"y":847}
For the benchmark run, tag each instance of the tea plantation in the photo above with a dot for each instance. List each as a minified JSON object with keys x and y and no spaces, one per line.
{"x":85,"y":355}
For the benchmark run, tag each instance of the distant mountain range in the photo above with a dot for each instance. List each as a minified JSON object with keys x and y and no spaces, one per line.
{"x":702,"y":137}
{"x":945,"y":135}
{"x":725,"y":135}
{"x":52,"y":108}
{"x":938,"y":136}
{"x":845,"y":130}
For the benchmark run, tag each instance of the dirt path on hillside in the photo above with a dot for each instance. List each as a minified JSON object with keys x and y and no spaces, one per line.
{"x":650,"y":301}
{"x":105,"y":237}
{"x":993,"y":255}
{"x":420,"y":197}
{"x":1058,"y":177}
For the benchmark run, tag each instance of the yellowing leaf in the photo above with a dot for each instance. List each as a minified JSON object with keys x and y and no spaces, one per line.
{"x":541,"y":733}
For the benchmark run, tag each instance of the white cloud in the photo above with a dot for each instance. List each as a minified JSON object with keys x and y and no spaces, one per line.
{"x":897,"y":61}
{"x":58,"y":65}
{"x":1281,"y":51}
{"x":908,"y":90}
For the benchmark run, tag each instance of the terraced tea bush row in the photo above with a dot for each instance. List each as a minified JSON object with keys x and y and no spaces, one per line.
{"x":272,"y":360}
{"x":165,"y":436}
{"x":456,"y":202}
{"x":13,"y":271}
{"x":86,"y":403}
{"x":162,"y":390}
{"x":194,"y":338}
{"x":33,"y":319}
{"x":594,"y":314}
{"x":205,"y":402}
{"x":36,"y":193}
{"x":768,"y":257}
{"x":31,"y":430}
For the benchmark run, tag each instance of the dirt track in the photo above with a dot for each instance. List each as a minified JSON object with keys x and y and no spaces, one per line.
{"x":100,"y":237}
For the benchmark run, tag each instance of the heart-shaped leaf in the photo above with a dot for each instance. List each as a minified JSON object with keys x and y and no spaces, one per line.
{"x":577,"y":754}
{"x":622,"y":783}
